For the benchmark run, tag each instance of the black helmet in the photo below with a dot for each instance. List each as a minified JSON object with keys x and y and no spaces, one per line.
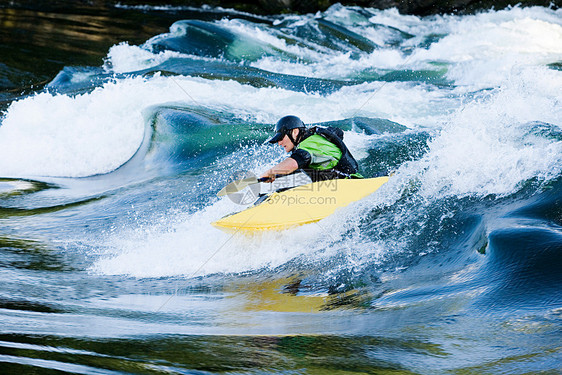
{"x":284,"y":126}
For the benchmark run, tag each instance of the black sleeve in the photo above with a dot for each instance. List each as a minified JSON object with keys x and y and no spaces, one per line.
{"x":302,"y":158}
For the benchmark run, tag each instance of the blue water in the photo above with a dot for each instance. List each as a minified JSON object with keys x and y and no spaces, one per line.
{"x":109,"y":170}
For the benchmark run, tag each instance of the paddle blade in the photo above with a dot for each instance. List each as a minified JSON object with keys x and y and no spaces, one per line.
{"x":236,"y":186}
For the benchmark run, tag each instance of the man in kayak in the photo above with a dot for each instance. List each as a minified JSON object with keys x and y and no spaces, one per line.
{"x":318,"y":151}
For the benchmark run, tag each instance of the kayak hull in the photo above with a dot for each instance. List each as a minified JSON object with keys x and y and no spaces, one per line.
{"x":300,"y":205}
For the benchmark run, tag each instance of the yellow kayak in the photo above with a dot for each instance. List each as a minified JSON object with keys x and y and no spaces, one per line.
{"x":300,"y":205}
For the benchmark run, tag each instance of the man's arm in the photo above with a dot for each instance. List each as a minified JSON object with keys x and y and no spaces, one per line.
{"x":287,"y":166}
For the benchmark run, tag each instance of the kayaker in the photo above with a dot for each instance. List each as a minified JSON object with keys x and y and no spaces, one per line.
{"x":318,"y":151}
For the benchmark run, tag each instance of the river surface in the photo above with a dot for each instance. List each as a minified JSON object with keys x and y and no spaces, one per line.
{"x":119,"y":127}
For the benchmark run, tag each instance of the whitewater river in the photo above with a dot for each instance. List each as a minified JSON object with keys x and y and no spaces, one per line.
{"x":115,"y":140}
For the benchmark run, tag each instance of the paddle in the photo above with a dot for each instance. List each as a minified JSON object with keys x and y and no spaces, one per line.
{"x":238,"y":185}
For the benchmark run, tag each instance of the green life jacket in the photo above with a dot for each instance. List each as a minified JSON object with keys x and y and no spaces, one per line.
{"x":324,"y":154}
{"x":329,"y":153}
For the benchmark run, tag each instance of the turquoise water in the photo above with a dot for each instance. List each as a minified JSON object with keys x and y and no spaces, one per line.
{"x":111,"y":155}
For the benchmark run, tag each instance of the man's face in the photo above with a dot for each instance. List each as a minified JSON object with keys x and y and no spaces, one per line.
{"x":286,"y":142}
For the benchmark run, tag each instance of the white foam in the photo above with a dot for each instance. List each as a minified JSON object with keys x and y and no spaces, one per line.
{"x":489,"y":147}
{"x":15,"y":186}
{"x":58,"y":135}
{"x":191,"y":247}
{"x":124,"y":58}
{"x":478,"y":50}
{"x":483,"y":53}
{"x":75,"y":136}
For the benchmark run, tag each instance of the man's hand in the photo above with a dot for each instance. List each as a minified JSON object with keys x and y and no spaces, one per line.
{"x":268,"y":176}
{"x":287,"y":166}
